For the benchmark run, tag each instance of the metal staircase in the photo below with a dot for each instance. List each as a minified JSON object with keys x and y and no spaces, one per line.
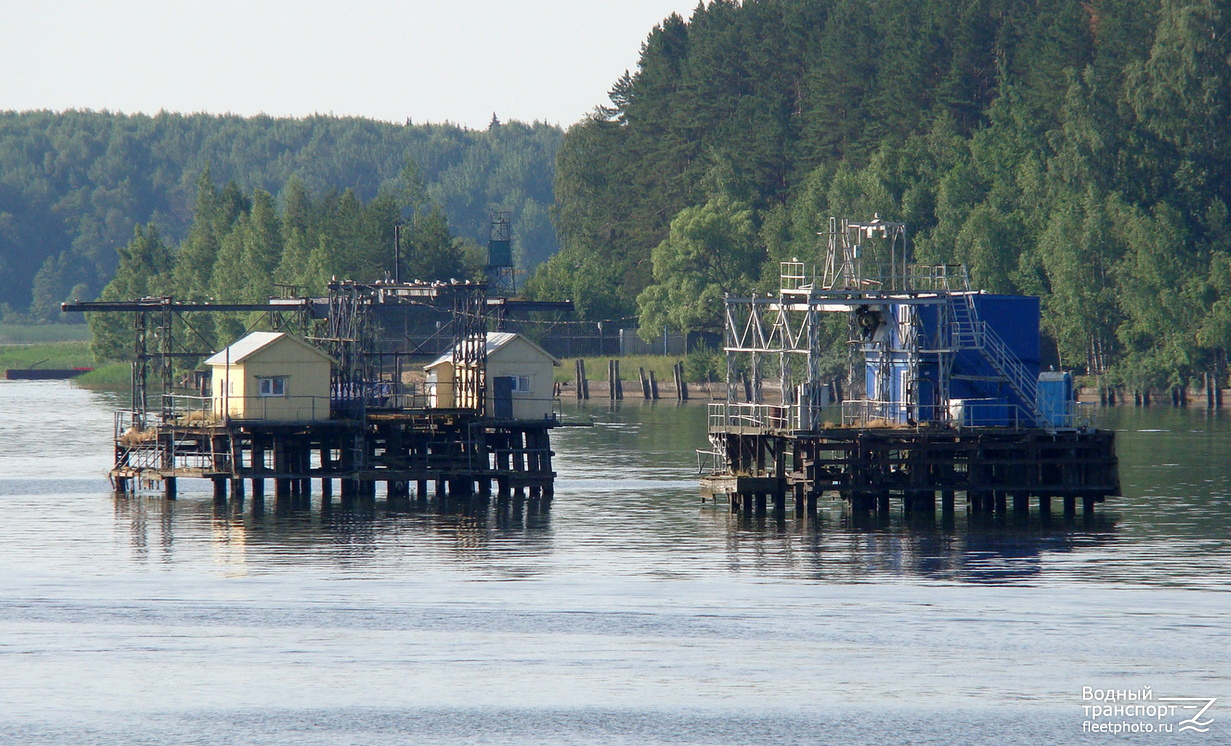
{"x":967,"y":332}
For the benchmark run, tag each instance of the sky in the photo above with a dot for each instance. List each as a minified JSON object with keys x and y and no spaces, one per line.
{"x":458,"y":61}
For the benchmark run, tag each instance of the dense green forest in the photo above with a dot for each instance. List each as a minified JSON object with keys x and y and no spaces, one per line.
{"x":245,"y":247}
{"x":1075,"y":150}
{"x":73,"y":185}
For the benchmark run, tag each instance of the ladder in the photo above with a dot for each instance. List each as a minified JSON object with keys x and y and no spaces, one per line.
{"x":967,"y":332}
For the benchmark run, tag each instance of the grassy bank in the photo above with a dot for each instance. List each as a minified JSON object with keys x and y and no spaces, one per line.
{"x":47,"y":355}
{"x":52,"y":346}
{"x":107,"y":376}
{"x":71,"y":354}
{"x":596,"y":367}
{"x":43,"y":333}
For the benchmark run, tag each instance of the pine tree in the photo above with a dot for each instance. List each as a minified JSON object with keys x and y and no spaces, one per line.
{"x":144,"y":270}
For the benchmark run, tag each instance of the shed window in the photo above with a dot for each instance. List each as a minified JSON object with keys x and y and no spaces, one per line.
{"x":273,"y":386}
{"x":521,"y":384}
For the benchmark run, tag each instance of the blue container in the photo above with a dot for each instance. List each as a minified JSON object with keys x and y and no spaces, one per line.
{"x":1057,"y":398}
{"x":1015,"y":321}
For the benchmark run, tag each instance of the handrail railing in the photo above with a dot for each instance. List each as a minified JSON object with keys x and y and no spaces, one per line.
{"x":181,"y":409}
{"x":967,"y":331}
{"x":798,"y":276}
{"x":710,"y":460}
{"x":769,"y":418}
{"x":731,"y":415}
{"x":960,"y":413}
{"x":211,"y":410}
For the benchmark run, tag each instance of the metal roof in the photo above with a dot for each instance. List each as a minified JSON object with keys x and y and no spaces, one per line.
{"x":495,"y":340}
{"x":252,"y":343}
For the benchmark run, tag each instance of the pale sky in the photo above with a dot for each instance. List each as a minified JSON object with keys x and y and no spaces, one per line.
{"x":453,"y":60}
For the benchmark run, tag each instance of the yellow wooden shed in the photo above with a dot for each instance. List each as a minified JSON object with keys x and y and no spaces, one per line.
{"x":520,"y":383}
{"x":271,"y":377}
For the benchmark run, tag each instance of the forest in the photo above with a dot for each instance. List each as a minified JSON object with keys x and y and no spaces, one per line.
{"x":247,"y":247}
{"x":1073,"y":150}
{"x":73,"y":185}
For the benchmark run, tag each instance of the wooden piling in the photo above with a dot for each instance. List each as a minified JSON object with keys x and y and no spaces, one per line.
{"x":681,"y":386}
{"x":583,"y":386}
{"x":989,"y":467}
{"x":464,"y":454}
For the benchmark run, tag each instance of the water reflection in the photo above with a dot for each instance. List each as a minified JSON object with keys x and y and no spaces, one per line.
{"x":466,"y":533}
{"x":648,"y":617}
{"x":841,"y":545}
{"x":627,"y":505}
{"x":158,"y":521}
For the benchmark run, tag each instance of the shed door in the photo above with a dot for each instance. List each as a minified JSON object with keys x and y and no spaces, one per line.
{"x":502,"y":397}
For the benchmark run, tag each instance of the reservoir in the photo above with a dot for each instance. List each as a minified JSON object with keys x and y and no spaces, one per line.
{"x":629,"y":613}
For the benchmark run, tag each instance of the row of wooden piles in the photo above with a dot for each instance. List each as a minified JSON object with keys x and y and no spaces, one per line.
{"x":994,"y":472}
{"x":976,"y":504}
{"x":306,"y":494}
{"x":439,"y":458}
{"x":615,"y":382}
{"x":1178,"y":396}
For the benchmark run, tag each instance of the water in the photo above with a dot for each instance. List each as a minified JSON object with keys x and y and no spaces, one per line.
{"x":630,"y":614}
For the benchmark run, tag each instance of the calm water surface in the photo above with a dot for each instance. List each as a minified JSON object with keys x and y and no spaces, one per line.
{"x":628,"y":614}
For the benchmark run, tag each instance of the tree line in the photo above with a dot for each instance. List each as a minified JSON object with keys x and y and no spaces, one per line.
{"x":74,"y":184}
{"x":1072,"y":149}
{"x":247,"y":247}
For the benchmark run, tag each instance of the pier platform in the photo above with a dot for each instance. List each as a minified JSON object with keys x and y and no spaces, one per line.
{"x":993,"y":469}
{"x":442,"y":453}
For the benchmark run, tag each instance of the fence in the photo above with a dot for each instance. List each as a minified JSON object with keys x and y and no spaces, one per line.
{"x":751,"y":418}
{"x":205,"y":410}
{"x":667,"y":343}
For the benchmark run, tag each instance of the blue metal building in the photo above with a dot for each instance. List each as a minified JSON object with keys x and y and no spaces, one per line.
{"x":924,"y":347}
{"x":943,"y":392}
{"x":927,"y":363}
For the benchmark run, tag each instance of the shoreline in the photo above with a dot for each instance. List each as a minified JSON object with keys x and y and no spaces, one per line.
{"x":704,"y":393}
